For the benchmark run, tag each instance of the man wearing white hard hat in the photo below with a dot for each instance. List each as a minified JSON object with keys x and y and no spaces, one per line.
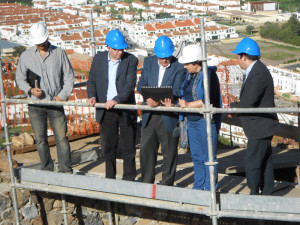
{"x":192,"y":96}
{"x":44,"y":73}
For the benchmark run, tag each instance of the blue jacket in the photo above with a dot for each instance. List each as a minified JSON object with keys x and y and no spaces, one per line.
{"x":214,"y":90}
{"x":174,"y":76}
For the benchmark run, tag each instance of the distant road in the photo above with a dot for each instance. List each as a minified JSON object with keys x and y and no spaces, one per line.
{"x":291,"y":66}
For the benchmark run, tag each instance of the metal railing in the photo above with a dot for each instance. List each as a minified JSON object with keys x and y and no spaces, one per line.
{"x":215,"y":210}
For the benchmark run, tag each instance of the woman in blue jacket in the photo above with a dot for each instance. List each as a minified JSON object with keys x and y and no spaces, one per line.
{"x":192,"y":96}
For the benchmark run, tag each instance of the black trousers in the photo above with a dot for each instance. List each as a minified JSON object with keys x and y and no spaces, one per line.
{"x":151,"y":136}
{"x":259,"y":166}
{"x":113,"y":121}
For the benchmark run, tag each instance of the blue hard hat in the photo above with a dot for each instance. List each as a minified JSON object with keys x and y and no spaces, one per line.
{"x":163,"y":47}
{"x":248,"y":46}
{"x":115,"y":39}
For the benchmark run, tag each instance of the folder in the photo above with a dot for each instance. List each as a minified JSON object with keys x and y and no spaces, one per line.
{"x":33,"y":79}
{"x":157,"y":93}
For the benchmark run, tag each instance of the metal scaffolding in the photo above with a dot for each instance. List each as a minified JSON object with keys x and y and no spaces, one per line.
{"x":209,"y":203}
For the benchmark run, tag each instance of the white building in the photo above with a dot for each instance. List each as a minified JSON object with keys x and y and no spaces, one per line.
{"x":237,"y":133}
{"x":286,"y":80}
{"x":75,"y":2}
{"x":297,"y":14}
{"x":148,"y":15}
{"x":139,"y":5}
{"x":261,"y":6}
{"x":71,"y":10}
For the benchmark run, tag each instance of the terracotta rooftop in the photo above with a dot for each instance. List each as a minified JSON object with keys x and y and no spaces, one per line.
{"x":74,"y":37}
{"x":149,"y":27}
{"x":211,"y":28}
{"x":185,"y":23}
{"x":231,"y":62}
{"x":166,"y":25}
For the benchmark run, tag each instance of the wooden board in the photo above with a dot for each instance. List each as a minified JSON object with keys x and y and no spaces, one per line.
{"x":51,"y":141}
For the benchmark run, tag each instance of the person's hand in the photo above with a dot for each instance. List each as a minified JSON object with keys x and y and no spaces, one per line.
{"x":110,"y":104}
{"x":57,"y":98}
{"x":231,"y":115}
{"x":91,"y":101}
{"x":167,"y":102}
{"x":183,"y":103}
{"x":152,"y":103}
{"x":36,"y":92}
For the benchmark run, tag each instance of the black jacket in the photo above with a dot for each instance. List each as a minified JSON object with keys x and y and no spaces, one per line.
{"x":258,"y":92}
{"x":125,"y":82}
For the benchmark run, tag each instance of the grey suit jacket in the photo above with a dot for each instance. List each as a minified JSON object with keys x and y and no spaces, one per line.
{"x":125,"y":82}
{"x":258,"y":91}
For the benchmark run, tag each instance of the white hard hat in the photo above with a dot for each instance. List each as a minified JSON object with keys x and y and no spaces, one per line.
{"x":38,"y":33}
{"x":191,"y":53}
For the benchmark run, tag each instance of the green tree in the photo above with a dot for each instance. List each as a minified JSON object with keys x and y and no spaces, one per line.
{"x":250,"y":29}
{"x":288,"y":32}
{"x":294,"y":24}
{"x":22,"y":2}
{"x":113,"y":11}
{"x":18,"y":50}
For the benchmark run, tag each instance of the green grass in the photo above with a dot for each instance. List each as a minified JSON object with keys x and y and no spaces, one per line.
{"x":290,"y":48}
{"x":224,"y":141}
{"x":278,"y":52}
{"x":276,"y":55}
{"x":2,"y":140}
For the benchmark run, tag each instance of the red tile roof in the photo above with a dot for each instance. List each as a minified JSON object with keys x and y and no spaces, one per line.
{"x":188,"y":22}
{"x":149,"y":27}
{"x":166,"y":25}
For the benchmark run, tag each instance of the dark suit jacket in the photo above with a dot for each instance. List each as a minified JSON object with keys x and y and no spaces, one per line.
{"x":174,"y":76}
{"x":125,"y":82}
{"x":257,"y":91}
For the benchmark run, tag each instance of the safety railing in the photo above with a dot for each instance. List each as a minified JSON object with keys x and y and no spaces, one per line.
{"x":226,"y":206}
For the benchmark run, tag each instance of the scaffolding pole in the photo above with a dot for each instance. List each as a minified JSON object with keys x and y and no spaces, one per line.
{"x":211,"y":163}
{"x":93,"y":43}
{"x":203,"y":110}
{"x":8,"y":144}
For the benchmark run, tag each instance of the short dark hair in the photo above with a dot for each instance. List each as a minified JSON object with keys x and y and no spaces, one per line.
{"x":250,"y":57}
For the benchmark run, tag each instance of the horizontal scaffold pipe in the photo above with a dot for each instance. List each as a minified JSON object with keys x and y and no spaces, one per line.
{"x":159,"y":108}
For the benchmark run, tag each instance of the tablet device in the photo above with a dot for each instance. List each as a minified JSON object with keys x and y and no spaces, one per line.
{"x":157,"y":93}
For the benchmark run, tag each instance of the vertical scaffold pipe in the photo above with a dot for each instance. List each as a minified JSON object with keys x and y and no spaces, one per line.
{"x":110,"y":217}
{"x":8,"y":144}
{"x":64,"y":209}
{"x":92,"y":34}
{"x":211,"y":162}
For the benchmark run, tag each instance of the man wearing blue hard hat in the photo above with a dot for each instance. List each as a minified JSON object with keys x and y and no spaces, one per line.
{"x":257,"y":91}
{"x":159,"y":70}
{"x":112,"y":81}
